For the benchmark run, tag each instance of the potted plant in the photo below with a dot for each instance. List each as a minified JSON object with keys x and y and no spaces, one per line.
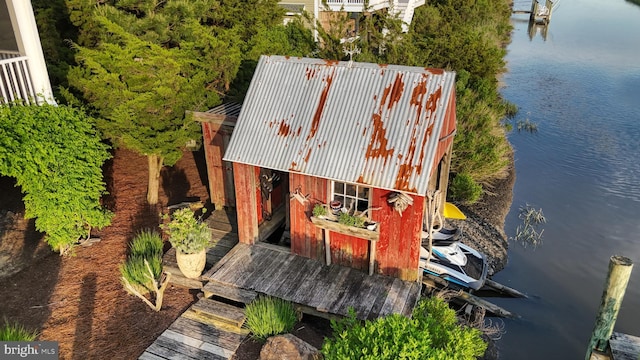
{"x":191,"y":238}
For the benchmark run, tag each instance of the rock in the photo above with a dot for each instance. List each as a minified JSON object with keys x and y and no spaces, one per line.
{"x":288,"y":347}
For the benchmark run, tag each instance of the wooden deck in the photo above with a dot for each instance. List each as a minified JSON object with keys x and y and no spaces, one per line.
{"x":211,"y":329}
{"x":313,"y":287}
{"x":624,"y":347}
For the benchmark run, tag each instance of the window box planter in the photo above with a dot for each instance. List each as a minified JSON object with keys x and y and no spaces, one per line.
{"x":371,"y":235}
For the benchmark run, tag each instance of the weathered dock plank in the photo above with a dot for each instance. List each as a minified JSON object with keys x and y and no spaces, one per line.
{"x":149,"y":356}
{"x":254,"y":282}
{"x":170,"y":348}
{"x":392,"y":295}
{"x":624,"y":347}
{"x":220,"y":311}
{"x":293,"y":278}
{"x":327,"y":295}
{"x":230,"y":261}
{"x":230,"y":292}
{"x":350,"y":289}
{"x":187,"y":340}
{"x":221,"y":337}
{"x":278,"y":276}
{"x":224,"y":260}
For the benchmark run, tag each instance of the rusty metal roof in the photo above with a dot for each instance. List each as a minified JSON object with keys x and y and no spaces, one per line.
{"x":376,"y":125}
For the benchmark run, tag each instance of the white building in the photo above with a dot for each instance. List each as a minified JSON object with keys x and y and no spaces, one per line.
{"x":23,"y":72}
{"x":404,"y":8}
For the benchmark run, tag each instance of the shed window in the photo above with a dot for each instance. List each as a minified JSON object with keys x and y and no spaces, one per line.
{"x":351,"y":196}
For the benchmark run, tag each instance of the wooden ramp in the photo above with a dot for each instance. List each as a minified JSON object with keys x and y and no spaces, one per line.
{"x":208,"y":330}
{"x":315,"y":288}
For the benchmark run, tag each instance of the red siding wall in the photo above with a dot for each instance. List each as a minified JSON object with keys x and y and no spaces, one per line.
{"x":246,"y":184}
{"x":398,"y":250}
{"x":306,"y":239}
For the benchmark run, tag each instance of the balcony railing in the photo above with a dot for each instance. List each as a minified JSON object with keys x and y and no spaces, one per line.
{"x":15,"y":79}
{"x":358,"y":5}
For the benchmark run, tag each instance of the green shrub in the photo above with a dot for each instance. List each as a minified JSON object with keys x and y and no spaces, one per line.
{"x":463,"y":188}
{"x":16,"y":332}
{"x":432,"y":333}
{"x":267,"y":316}
{"x":61,"y":178}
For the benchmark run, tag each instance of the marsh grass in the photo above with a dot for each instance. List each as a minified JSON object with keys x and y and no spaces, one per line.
{"x":529,"y":232}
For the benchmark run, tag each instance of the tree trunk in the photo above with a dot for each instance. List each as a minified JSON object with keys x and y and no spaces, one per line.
{"x":155,"y":165}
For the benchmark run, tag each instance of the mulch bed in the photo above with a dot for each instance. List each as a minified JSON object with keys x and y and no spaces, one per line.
{"x":79,"y":300}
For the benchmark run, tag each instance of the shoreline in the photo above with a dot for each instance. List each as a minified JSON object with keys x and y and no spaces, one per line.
{"x":484,"y":227}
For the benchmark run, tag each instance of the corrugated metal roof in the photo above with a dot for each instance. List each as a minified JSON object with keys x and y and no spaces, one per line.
{"x":228,"y":109}
{"x":361,"y":123}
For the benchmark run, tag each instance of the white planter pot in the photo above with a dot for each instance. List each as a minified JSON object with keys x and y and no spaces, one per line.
{"x":191,"y":265}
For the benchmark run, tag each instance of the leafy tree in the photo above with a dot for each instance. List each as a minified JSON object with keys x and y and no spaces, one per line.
{"x":56,"y":156}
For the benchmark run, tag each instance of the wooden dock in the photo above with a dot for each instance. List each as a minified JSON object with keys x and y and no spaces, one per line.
{"x":313,"y":287}
{"x":624,"y":347}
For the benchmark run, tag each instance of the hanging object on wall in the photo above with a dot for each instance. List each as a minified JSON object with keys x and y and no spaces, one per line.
{"x":297,"y":195}
{"x":400,"y":201}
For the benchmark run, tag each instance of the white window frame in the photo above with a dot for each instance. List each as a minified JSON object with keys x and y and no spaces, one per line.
{"x":357,"y":197}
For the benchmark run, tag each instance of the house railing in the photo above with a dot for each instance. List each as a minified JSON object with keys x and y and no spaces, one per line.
{"x":15,"y":79}
{"x":358,"y":5}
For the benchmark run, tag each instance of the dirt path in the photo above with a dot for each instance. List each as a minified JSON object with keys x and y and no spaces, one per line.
{"x":79,"y":300}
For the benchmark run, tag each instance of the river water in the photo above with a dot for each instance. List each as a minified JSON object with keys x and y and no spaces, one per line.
{"x":581,"y":86}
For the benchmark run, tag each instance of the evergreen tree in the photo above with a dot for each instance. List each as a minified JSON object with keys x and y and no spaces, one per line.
{"x":153,"y":62}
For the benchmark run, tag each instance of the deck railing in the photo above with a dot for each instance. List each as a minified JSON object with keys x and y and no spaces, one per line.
{"x":15,"y":79}
{"x":358,"y":5}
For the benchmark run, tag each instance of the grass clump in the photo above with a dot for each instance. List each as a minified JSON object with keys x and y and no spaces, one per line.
{"x":433,"y":332}
{"x":528,"y":233}
{"x":141,"y":273}
{"x":147,"y":243}
{"x":16,"y":332}
{"x":268,"y":316}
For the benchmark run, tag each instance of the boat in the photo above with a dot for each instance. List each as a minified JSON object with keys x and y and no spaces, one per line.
{"x":459,"y":264}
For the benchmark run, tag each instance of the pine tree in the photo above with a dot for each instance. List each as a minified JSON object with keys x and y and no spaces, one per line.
{"x":153,"y":62}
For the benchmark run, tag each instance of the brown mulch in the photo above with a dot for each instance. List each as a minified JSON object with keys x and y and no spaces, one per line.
{"x":79,"y":300}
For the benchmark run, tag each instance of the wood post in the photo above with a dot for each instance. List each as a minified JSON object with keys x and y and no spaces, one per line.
{"x":534,"y":10}
{"x":617,"y":279}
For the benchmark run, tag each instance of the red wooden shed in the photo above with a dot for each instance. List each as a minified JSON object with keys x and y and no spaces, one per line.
{"x":313,"y":131}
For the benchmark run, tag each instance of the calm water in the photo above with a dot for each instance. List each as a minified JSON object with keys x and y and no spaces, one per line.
{"x":582,"y":87}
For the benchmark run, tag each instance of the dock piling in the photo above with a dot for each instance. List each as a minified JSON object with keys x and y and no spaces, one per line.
{"x":617,"y":279}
